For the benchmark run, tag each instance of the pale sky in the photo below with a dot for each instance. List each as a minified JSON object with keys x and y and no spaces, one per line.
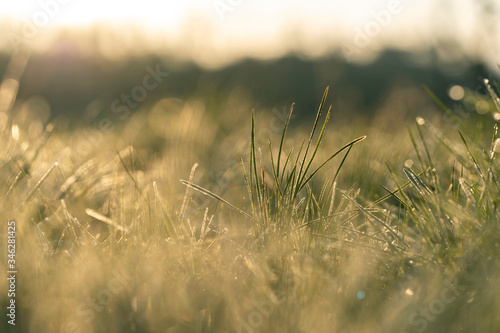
{"x":215,"y":32}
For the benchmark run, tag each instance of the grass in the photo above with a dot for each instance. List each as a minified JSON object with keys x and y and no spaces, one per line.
{"x":109,"y":239}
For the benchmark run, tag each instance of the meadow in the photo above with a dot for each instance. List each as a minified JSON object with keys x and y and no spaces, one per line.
{"x":191,"y":216}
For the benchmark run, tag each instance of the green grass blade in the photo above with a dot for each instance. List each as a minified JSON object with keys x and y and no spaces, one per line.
{"x":341,"y":164}
{"x":419,"y":184}
{"x":493,"y":94}
{"x":318,"y":114}
{"x":253,"y":160}
{"x":316,"y":147}
{"x":275,"y":171}
{"x":214,"y":196}
{"x":353,"y":142}
{"x":415,"y":147}
{"x":442,"y":106}
{"x":248,"y":186}
{"x":474,"y":161}
{"x":285,"y":165}
{"x":283,"y":140}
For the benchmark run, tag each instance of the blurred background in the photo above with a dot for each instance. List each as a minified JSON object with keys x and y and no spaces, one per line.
{"x":106,"y":105}
{"x":83,"y":55}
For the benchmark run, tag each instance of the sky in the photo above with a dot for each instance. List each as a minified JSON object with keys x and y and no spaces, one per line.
{"x":216,"y":32}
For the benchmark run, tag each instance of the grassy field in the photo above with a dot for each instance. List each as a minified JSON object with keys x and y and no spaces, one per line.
{"x":188,"y":218}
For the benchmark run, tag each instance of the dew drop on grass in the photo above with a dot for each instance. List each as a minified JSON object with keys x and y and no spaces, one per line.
{"x":496,"y":146}
{"x":409,"y":292}
{"x":420,"y":121}
{"x":15,"y":132}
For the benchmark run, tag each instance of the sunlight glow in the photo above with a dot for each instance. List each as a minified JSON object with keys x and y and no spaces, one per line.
{"x":215,"y":31}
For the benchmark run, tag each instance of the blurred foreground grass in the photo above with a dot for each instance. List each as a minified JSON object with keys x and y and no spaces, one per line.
{"x":404,"y":239}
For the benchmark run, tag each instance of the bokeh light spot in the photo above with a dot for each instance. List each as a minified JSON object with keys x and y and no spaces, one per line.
{"x":456,"y":92}
{"x":482,"y":107}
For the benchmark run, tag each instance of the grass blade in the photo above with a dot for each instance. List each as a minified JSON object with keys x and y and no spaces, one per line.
{"x":282,"y":141}
{"x":215,"y":196}
{"x":320,"y":109}
{"x":350,"y":144}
